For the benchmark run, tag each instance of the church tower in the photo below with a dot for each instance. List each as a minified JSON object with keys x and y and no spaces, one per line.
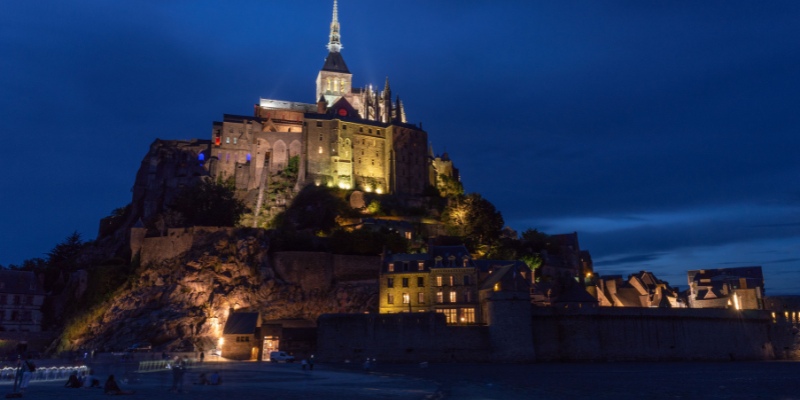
{"x":334,"y":79}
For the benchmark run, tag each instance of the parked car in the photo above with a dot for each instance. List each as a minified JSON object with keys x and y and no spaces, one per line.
{"x":276,"y":356}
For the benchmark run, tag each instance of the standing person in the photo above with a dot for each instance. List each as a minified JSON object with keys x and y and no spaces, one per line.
{"x":311,"y":363}
{"x":202,"y":355}
{"x":27,"y":370}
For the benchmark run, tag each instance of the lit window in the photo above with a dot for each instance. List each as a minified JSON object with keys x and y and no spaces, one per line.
{"x":496,"y":287}
{"x":390,"y":298}
{"x":405,"y":282}
{"x":438,"y":281}
{"x":389,"y":282}
{"x":421,"y":266}
{"x":391,"y":267}
{"x":450,"y":314}
{"x":439,"y":297}
{"x":467,"y":316}
{"x":234,"y":140}
{"x":227,"y":139}
{"x":320,"y":149}
{"x":420,"y":297}
{"x":406,"y":298}
{"x":452,"y":280}
{"x":329,"y":83}
{"x":453,"y":297}
{"x":420,"y":281}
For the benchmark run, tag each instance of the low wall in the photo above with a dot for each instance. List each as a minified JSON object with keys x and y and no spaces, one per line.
{"x":400,"y":337}
{"x":610,"y":334}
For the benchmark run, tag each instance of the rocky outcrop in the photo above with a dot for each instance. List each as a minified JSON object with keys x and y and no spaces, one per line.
{"x":186,"y":298}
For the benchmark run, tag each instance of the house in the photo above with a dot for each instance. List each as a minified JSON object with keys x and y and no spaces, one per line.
{"x":239,"y":337}
{"x":739,"y":288}
{"x":641,"y":289}
{"x":21,"y":299}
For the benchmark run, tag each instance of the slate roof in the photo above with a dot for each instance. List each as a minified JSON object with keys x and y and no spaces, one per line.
{"x":243,"y":323}
{"x":19,"y":282}
{"x":334,"y":62}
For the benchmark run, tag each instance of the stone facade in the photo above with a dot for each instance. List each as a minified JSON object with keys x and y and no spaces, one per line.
{"x":21,"y":299}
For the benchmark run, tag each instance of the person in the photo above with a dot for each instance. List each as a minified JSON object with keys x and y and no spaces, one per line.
{"x":111,"y":387}
{"x":73,"y":382}
{"x":303,"y":364}
{"x":202,"y":379}
{"x":178,"y":369}
{"x":202,"y":355}
{"x":311,"y":363}
{"x":26,"y":370}
{"x":214,"y":379}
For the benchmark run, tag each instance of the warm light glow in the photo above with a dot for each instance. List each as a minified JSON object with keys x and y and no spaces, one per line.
{"x":588,"y":274}
{"x":220,"y":341}
{"x":378,"y":190}
{"x":497,"y":287}
{"x":368,"y":189}
{"x":736,"y":301}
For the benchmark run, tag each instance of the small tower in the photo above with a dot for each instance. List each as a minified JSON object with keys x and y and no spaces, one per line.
{"x":334,"y":80}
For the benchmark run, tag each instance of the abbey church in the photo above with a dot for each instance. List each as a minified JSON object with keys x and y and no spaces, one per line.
{"x":350,"y":137}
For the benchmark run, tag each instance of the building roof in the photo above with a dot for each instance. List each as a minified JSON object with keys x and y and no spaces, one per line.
{"x":334,"y":62}
{"x":242,"y":323}
{"x":575,"y":294}
{"x":19,"y":282}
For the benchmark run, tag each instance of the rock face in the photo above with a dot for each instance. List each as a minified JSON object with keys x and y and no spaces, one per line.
{"x":186,"y":298}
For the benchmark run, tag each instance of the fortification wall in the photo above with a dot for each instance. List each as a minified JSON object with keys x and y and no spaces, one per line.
{"x":355,"y":268}
{"x":785,"y":314}
{"x":176,"y":242}
{"x":312,"y":270}
{"x":400,"y":337}
{"x":594,"y":334}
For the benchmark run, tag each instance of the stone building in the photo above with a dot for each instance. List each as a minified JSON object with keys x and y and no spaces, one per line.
{"x":641,"y":289}
{"x":447,"y":280}
{"x":21,"y":299}
{"x":351,"y":137}
{"x":240,"y":336}
{"x":740,"y":288}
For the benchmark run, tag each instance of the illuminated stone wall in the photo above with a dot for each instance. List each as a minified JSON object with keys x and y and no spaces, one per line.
{"x":411,"y":159}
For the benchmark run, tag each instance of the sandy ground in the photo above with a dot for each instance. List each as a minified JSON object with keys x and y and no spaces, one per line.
{"x":669,"y":380}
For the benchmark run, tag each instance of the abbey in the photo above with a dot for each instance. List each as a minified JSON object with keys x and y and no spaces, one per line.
{"x":353,"y":138}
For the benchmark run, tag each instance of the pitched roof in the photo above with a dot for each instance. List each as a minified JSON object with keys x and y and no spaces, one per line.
{"x":575,"y":294}
{"x":21,"y":282}
{"x":334,"y":62}
{"x":242,"y":323}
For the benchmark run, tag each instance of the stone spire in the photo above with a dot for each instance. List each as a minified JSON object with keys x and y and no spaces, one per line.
{"x":335,"y":44}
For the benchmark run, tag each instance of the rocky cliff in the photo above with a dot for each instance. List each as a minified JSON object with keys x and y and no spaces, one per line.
{"x":183,"y":299}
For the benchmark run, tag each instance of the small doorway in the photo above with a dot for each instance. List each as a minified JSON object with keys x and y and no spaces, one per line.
{"x":271,"y":343}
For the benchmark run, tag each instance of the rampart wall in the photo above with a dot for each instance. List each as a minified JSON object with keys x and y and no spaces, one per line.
{"x":176,"y":242}
{"x":403,"y":337}
{"x":579,"y":334}
{"x":318,"y":270}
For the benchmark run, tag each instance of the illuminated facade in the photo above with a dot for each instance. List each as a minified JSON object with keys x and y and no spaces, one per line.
{"x":444,"y":280}
{"x":352,"y":138}
{"x":21,"y":299}
{"x":739,"y":288}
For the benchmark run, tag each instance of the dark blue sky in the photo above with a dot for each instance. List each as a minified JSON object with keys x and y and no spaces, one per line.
{"x":665,"y":133}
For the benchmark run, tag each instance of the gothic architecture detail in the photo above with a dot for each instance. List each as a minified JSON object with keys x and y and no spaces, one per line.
{"x":351,"y":137}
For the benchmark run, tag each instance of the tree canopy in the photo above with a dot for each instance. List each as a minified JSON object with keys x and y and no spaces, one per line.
{"x":208,"y":204}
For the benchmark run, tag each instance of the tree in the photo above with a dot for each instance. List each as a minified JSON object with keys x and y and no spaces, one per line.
{"x":476,"y":219}
{"x":208,"y":204}
{"x":449,"y":187}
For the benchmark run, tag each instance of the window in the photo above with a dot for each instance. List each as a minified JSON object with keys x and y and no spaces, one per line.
{"x":379,"y":132}
{"x":344,"y":127}
{"x":242,"y":339}
{"x":439,"y":297}
{"x":389,"y":282}
{"x":319,"y":125}
{"x":450,"y":314}
{"x":320,"y":149}
{"x":320,"y":137}
{"x":420,"y":281}
{"x":453,"y":297}
{"x":420,"y":297}
{"x":467,"y":315}
{"x":438,"y":281}
{"x":466,"y":280}
{"x":421,"y":266}
{"x":405,"y":282}
{"x":406,"y":298}
{"x":234,"y":140}
{"x":227,"y":139}
{"x":390,"y":298}
{"x":452,"y":280}
{"x":391,"y":267}
{"x":468,"y":297}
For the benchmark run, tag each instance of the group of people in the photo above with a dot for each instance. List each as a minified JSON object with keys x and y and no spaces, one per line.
{"x":213,"y":379}
{"x":308,"y":363}
{"x":89,"y":381}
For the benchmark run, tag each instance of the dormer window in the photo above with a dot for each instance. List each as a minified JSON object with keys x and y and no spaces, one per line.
{"x":420,"y":266}
{"x":390,"y":267}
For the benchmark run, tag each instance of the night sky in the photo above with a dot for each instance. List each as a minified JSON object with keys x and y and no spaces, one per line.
{"x":664,"y":132}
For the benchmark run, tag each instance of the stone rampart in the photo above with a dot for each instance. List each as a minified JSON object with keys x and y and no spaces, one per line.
{"x":611,"y":334}
{"x":400,"y":337}
{"x":176,"y":242}
{"x":312,"y":270}
{"x":355,"y":268}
